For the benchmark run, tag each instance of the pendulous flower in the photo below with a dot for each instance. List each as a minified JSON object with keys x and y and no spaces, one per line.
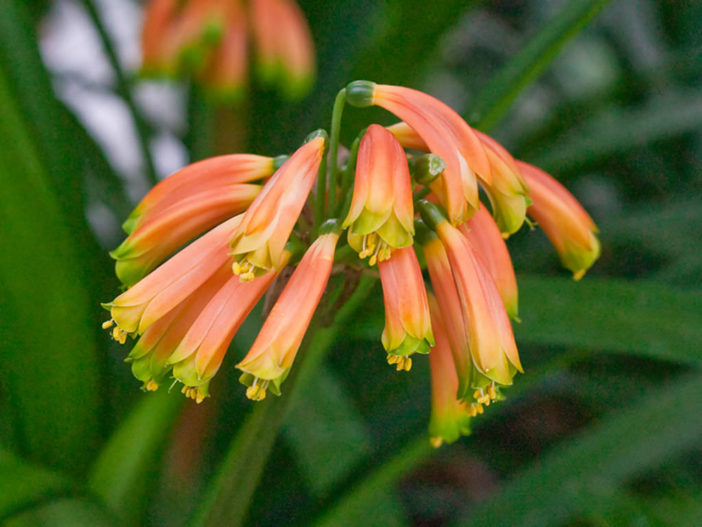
{"x":407,"y":321}
{"x":268,"y":361}
{"x":491,"y":342}
{"x":381,"y":217}
{"x":444,"y":132}
{"x":563,"y":219}
{"x":258,"y":243}
{"x":450,"y":416}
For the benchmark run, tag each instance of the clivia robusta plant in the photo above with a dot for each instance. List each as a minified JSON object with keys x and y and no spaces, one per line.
{"x":210,"y":241}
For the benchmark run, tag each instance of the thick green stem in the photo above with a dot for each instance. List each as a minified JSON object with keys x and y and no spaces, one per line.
{"x":347,"y":178}
{"x":229,"y":495}
{"x":337,"y":112}
{"x":124,"y":90}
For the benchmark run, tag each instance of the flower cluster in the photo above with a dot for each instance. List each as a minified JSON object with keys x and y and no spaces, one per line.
{"x":408,"y":189}
{"x":210,"y":40}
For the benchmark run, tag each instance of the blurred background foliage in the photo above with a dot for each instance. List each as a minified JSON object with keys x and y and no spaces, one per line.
{"x":604,"y":428}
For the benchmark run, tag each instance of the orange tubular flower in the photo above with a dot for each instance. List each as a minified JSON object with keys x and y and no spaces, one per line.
{"x":258,"y":243}
{"x":508,"y":191}
{"x":444,"y":132}
{"x":151,"y":243}
{"x":285,"y":51}
{"x":381,"y":217}
{"x":158,"y":49}
{"x":135,"y":310}
{"x":492,"y":345}
{"x":201,"y":351}
{"x":407,"y":321}
{"x":274,"y":350}
{"x":563,"y":219}
{"x":484,"y":235}
{"x":211,"y":174}
{"x":450,"y":417}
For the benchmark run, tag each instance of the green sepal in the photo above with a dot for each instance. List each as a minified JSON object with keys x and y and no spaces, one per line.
{"x":360,"y":93}
{"x":320,"y":132}
{"x":394,"y":234}
{"x":409,"y":346}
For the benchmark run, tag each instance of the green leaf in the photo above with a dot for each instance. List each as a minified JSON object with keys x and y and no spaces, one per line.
{"x":329,"y":438}
{"x":229,"y":494}
{"x":611,"y":315}
{"x":127,"y":466}
{"x":64,"y":513}
{"x":493,"y":102}
{"x":23,"y":485}
{"x":620,"y":446}
{"x":49,"y":364}
{"x":620,"y":130}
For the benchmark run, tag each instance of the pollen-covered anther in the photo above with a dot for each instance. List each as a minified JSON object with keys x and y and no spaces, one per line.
{"x":475,"y":409}
{"x":244,"y":270}
{"x":194,"y":393}
{"x":117,"y":333}
{"x":257,"y":391}
{"x":401,"y":362}
{"x":151,"y":386}
{"x":436,"y":442}
{"x":375,"y":247}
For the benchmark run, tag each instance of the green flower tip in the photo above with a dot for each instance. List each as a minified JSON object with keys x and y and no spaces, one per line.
{"x":360,"y":93}
{"x":317,"y":133}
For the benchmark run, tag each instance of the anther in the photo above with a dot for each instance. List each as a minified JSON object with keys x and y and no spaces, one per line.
{"x":151,"y":386}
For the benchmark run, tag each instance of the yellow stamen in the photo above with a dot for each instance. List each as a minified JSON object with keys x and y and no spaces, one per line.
{"x":578,"y":274}
{"x":257,"y":391}
{"x":401,"y":362}
{"x":491,"y":391}
{"x":119,"y":334}
{"x":108,"y":324}
{"x":436,"y":442}
{"x":194,"y":393}
{"x":475,"y":409}
{"x":151,"y":386}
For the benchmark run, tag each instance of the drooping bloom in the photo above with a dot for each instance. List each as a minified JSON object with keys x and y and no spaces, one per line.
{"x":484,"y":235}
{"x":381,"y":217}
{"x":563,"y":219}
{"x":507,"y":190}
{"x":450,"y":416}
{"x":492,"y":346}
{"x":284,"y":48}
{"x":444,"y":132}
{"x":214,"y":174}
{"x":152,"y":242}
{"x":258,"y":243}
{"x":199,"y":354}
{"x":407,"y":321}
{"x":135,"y":310}
{"x":208,"y":39}
{"x":268,"y":361}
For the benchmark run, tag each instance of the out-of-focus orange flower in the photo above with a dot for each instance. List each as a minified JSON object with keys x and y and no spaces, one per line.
{"x":563,"y":219}
{"x":407,"y":321}
{"x":274,"y":350}
{"x":258,"y":243}
{"x":381,"y":217}
{"x":209,"y":39}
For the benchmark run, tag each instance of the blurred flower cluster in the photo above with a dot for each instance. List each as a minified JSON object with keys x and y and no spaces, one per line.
{"x":405,"y":194}
{"x":210,"y":40}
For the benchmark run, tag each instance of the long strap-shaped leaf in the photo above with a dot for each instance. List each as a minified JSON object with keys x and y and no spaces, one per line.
{"x":493,"y":102}
{"x":620,"y":446}
{"x":121,"y":475}
{"x":229,"y":495}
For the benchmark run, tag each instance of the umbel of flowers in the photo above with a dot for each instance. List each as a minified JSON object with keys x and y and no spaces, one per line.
{"x":210,"y":40}
{"x":208,"y":242}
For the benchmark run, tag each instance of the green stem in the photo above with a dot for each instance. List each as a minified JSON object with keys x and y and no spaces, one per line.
{"x":337,"y":112}
{"x":347,"y":178}
{"x":321,"y":195}
{"x":124,"y":90}
{"x":230,"y":492}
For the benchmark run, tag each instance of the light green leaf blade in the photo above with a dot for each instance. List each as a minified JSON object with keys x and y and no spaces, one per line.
{"x":620,"y":446}
{"x":126,"y":467}
{"x":49,"y":363}
{"x":23,"y":485}
{"x":493,"y":102}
